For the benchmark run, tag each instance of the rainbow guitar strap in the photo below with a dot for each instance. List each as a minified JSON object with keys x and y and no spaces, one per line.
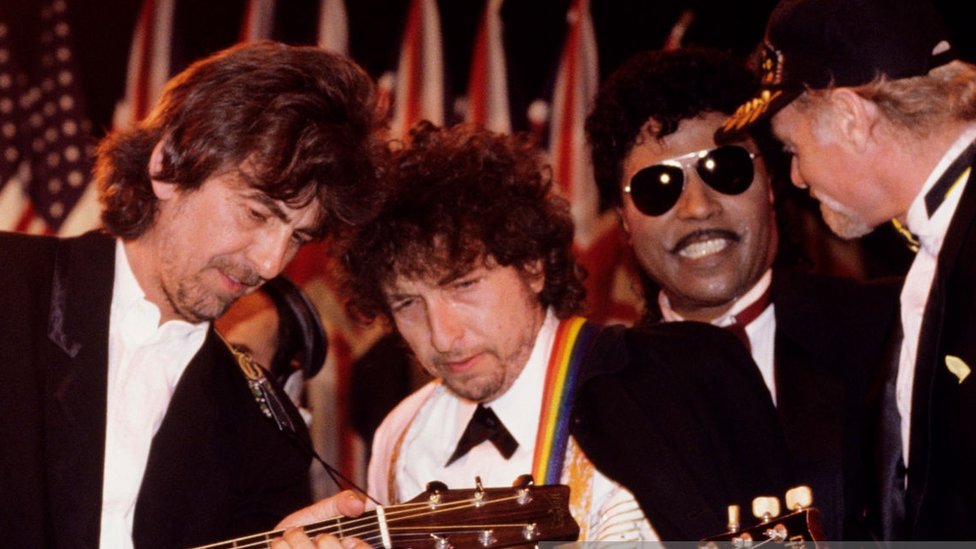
{"x":574,"y":336}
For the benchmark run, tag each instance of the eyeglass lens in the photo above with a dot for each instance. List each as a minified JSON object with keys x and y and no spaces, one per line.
{"x":727,"y":169}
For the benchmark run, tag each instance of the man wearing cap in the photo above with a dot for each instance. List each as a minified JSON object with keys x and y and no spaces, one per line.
{"x":701,"y":223}
{"x":881,"y":121}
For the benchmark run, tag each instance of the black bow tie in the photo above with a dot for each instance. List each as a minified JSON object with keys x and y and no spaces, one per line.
{"x":485,"y":425}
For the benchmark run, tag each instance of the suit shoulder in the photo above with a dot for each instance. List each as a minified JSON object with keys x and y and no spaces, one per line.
{"x":675,"y":346}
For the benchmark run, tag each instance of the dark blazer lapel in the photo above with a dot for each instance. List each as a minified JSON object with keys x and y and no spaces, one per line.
{"x":958,"y":236}
{"x":165,"y":510}
{"x":77,"y":355}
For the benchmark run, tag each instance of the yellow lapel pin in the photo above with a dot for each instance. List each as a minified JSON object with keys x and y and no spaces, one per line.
{"x":958,"y":368}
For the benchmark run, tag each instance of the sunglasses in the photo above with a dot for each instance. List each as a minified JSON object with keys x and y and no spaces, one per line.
{"x":727,"y":169}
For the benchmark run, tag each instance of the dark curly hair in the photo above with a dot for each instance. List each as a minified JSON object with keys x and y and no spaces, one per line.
{"x":298,"y":123}
{"x":668,"y":86}
{"x":457,"y":196}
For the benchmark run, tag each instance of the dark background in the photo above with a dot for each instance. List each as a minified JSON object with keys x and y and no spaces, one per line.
{"x":102,"y":32}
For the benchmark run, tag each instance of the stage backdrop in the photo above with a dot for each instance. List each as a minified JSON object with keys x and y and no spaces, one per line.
{"x":71,"y":70}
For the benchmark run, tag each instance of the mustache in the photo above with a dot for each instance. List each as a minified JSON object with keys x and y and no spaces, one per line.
{"x":240,"y":272}
{"x":442,"y":359}
{"x":704,"y":234}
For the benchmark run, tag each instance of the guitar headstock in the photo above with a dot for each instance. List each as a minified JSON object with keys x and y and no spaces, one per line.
{"x":486,"y":518}
{"x":799,"y":528}
{"x":476,"y":518}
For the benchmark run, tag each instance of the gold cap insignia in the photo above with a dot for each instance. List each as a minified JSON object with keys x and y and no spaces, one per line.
{"x":749,"y":112}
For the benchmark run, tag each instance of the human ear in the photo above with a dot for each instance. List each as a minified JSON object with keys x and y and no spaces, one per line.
{"x":535,"y":275}
{"x":854,"y":117}
{"x":161,"y":189}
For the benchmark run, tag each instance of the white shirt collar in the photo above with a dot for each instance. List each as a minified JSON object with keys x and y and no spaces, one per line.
{"x":931,"y":231}
{"x":135,"y":317}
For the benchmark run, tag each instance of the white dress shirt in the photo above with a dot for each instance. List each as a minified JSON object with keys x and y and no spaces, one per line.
{"x":435,"y":418}
{"x":761,"y":331}
{"x":145,"y":363}
{"x":918,"y":283}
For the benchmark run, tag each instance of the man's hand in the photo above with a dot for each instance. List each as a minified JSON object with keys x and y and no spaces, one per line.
{"x":346,"y":503}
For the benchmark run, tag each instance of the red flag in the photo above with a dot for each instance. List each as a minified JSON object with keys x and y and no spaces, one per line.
{"x":488,"y":82}
{"x":333,"y":26}
{"x":419,"y":91}
{"x":599,"y":242}
{"x":149,"y":62}
{"x":258,"y":22}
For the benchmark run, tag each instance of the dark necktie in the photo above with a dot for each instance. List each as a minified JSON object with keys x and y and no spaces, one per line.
{"x":746,"y":316}
{"x":889,"y":466}
{"x":484,"y":425}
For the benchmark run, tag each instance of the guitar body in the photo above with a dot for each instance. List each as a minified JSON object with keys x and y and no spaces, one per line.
{"x":482,"y":518}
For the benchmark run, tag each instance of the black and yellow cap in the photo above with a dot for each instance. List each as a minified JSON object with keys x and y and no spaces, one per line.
{"x":815,"y":44}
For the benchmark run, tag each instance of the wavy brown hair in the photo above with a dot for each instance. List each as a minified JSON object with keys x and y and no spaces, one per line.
{"x":458,"y":196}
{"x":298,"y":123}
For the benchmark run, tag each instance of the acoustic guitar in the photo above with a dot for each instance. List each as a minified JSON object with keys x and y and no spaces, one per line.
{"x":798,"y":529}
{"x":482,"y":518}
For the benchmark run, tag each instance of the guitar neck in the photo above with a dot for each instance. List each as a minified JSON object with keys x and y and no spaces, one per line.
{"x":489,"y":518}
{"x":341,"y":527}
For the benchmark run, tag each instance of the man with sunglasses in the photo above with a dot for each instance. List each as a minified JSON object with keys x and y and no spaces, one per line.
{"x":884,"y":128}
{"x":702,"y":226}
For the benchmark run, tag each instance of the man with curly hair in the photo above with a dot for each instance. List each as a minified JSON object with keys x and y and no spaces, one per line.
{"x":879,"y":114}
{"x":701,"y":222}
{"x":127,"y":421}
{"x":471,"y":260}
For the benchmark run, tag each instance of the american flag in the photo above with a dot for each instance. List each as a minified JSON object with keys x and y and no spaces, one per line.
{"x":48,"y":175}
{"x":11,"y":84}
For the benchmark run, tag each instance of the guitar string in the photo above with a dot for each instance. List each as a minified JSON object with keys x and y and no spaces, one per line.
{"x":361,"y":526}
{"x":409,"y":512}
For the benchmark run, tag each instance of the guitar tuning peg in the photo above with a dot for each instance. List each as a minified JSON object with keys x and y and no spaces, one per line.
{"x":523,"y":481}
{"x":765,"y":508}
{"x":434,"y":490}
{"x":479,"y":492}
{"x":798,"y":498}
{"x":734,"y":522}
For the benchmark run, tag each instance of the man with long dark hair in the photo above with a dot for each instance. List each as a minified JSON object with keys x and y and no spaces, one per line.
{"x":127,"y":421}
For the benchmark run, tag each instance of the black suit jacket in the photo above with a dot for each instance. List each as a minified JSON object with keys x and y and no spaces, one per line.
{"x":678,"y":413}
{"x":941,"y":496}
{"x":217,"y":467}
{"x":830,"y":333}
